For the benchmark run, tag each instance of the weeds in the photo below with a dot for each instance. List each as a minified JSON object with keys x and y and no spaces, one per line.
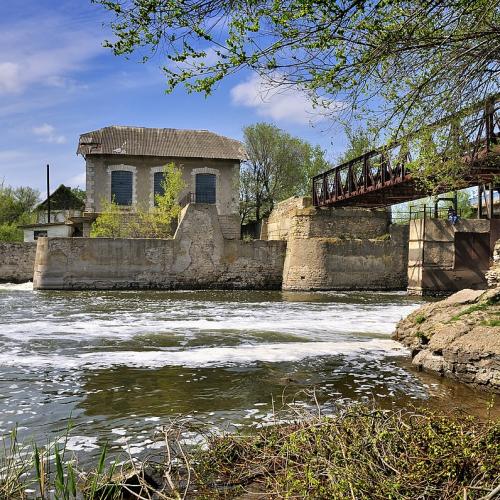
{"x":419,"y":319}
{"x":360,"y":453}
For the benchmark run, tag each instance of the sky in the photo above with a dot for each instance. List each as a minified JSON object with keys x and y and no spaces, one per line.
{"x":57,"y":82}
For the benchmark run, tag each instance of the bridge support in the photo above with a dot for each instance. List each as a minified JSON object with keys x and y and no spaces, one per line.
{"x":444,"y":258}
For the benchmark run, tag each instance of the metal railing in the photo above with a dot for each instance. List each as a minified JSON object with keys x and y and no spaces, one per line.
{"x":387,"y":166}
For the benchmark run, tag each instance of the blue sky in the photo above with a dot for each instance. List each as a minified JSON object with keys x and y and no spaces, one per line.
{"x":57,"y":81}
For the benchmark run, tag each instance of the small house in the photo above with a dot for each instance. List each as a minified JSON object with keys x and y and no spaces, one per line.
{"x":61,"y":218}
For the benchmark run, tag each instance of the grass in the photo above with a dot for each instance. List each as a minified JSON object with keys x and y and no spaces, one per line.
{"x":480,"y":306}
{"x":419,"y":319}
{"x":359,"y":453}
{"x":491,"y":322}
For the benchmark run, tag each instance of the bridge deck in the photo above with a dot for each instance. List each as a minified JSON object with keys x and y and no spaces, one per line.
{"x":382,"y":177}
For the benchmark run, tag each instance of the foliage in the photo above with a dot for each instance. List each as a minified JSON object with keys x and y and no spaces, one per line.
{"x":359,"y":452}
{"x":361,"y":141}
{"x":412,"y":62}
{"x":16,"y":206}
{"x":157,"y":222}
{"x":401,"y":213}
{"x":279,"y":166}
{"x":79,"y":193}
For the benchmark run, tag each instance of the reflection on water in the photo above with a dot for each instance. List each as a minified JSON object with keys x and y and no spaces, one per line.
{"x":119,"y":363}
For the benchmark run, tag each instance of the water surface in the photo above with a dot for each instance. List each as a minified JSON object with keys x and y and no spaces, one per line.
{"x":121,"y":363}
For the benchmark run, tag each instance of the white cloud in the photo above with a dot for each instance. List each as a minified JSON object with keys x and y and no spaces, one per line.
{"x":47,"y":133}
{"x":288,"y":104}
{"x":42,"y":52}
{"x":9,"y":77}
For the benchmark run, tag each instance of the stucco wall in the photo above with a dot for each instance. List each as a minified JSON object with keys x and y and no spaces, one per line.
{"x":99,"y":179}
{"x":16,"y":262}
{"x":348,"y":264}
{"x":197,"y":257}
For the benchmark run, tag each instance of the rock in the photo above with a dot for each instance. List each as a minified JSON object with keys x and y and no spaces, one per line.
{"x":458,"y":337}
{"x":465,"y":296}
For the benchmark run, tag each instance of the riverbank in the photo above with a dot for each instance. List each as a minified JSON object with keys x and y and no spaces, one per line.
{"x":359,"y":452}
{"x":458,"y":337}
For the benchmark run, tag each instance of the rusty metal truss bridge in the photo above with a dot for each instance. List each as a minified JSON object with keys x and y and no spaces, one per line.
{"x":382,"y":177}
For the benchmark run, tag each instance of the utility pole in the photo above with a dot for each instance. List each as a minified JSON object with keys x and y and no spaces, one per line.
{"x":48,"y":194}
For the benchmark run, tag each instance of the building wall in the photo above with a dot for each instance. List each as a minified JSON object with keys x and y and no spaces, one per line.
{"x":99,"y":179}
{"x":16,"y":262}
{"x":444,"y":258}
{"x":57,"y":231}
{"x":192,"y":259}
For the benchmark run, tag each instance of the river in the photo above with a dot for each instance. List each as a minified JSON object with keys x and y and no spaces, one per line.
{"x":118,"y":364}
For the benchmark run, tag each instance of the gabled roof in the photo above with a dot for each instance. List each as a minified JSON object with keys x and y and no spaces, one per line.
{"x":168,"y":142}
{"x":62,"y":199}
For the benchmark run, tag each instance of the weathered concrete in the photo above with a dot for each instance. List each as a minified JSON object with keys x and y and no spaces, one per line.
{"x":353,"y":264}
{"x":16,"y":262}
{"x":197,"y":257}
{"x":444,"y":258}
{"x":296,"y":218}
{"x":339,"y":249}
{"x":457,"y":337}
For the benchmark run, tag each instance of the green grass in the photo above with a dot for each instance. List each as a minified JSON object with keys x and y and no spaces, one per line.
{"x":491,"y":322}
{"x":419,"y":319}
{"x":481,"y":306}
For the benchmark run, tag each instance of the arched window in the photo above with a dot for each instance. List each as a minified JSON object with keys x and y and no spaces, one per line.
{"x":121,"y":187}
{"x":158,"y":185}
{"x":205,"y":188}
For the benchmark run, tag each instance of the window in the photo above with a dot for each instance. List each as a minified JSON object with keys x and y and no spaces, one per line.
{"x":121,"y":187}
{"x":39,"y":234}
{"x":157,"y":185}
{"x":205,"y":188}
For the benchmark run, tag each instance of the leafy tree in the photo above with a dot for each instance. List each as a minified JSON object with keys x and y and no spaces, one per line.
{"x":81,"y":194}
{"x":415,"y":61}
{"x":157,"y":222}
{"x":361,"y":141}
{"x":278,"y":166}
{"x":16,"y":208}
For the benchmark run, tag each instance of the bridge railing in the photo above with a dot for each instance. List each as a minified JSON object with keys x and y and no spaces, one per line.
{"x":478,"y":128}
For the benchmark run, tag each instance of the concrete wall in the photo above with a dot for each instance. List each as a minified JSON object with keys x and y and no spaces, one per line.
{"x":444,"y":258}
{"x":296,"y":218}
{"x":16,"y":262}
{"x":348,"y":264}
{"x":198,"y":257}
{"x":339,"y":249}
{"x":143,"y":167}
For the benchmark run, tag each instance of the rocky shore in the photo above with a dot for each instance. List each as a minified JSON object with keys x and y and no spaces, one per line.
{"x":458,"y":337}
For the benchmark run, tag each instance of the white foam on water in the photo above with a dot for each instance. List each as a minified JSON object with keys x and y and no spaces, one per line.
{"x":81,"y":443}
{"x":318,"y":322}
{"x":208,"y":356}
{"x":19,"y":287}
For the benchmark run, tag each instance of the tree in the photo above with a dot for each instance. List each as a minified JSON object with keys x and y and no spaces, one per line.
{"x":16,"y":208}
{"x":157,"y":222}
{"x":361,"y":141}
{"x":409,"y":62}
{"x":278,"y":166}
